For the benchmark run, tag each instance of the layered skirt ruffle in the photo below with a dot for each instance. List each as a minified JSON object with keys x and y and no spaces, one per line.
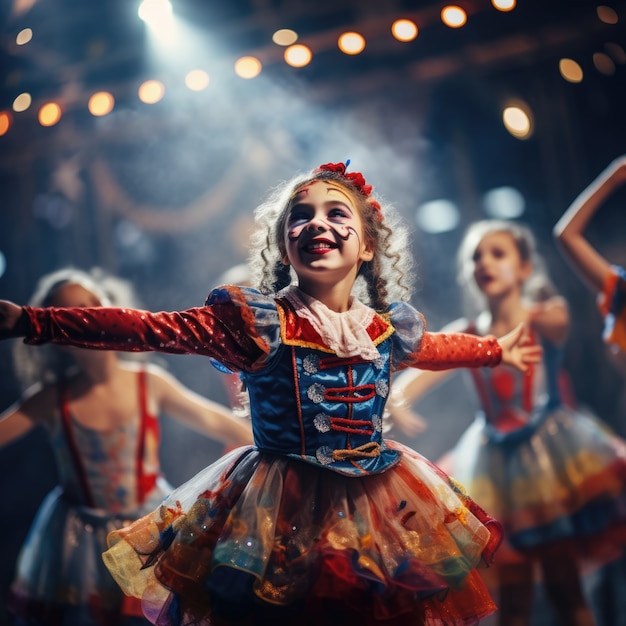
{"x":61,"y":579}
{"x":562,"y":481}
{"x":257,"y":538}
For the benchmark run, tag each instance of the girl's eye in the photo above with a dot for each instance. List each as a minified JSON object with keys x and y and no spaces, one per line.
{"x":298,"y":216}
{"x":476,"y":257}
{"x":337,"y":212}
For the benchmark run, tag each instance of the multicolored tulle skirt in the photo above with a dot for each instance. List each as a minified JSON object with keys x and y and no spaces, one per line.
{"x":258,"y":538}
{"x":561,"y":481}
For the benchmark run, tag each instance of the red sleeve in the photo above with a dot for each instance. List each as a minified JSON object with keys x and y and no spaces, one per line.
{"x":219,"y":331}
{"x":442,"y":351}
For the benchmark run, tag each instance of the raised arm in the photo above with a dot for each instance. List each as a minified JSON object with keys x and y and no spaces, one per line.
{"x":591,"y":266}
{"x":195,"y":411}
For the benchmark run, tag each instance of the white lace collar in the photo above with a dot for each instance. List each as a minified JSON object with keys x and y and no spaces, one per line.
{"x":345,"y":333}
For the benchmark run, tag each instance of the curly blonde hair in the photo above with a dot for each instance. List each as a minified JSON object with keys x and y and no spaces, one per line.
{"x":384,"y":279}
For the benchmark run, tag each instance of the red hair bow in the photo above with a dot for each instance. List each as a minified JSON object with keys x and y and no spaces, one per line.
{"x":356,"y":178}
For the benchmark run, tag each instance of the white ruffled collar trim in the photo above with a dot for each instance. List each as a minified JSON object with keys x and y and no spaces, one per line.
{"x":344,"y":333}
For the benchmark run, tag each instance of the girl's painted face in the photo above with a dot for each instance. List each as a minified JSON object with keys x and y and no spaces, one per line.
{"x":324,"y":231}
{"x":498,"y":266}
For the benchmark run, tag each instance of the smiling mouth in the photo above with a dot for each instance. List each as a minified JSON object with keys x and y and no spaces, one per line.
{"x":318,"y":246}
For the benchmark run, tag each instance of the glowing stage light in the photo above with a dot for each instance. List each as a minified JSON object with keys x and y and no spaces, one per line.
{"x":504,"y":5}
{"x":155,"y":12}
{"x":517,"y":120}
{"x":285,"y":37}
{"x":151,"y":91}
{"x":22,"y":102}
{"x":504,"y":203}
{"x":24,"y":36}
{"x":404,"y":30}
{"x":437,"y":216}
{"x":298,"y":55}
{"x":101,"y":103}
{"x":197,"y":80}
{"x":604,"y":63}
{"x":248,"y":67}
{"x":453,"y":16}
{"x":607,"y":15}
{"x":5,"y":122}
{"x":158,"y":16}
{"x":351,"y":43}
{"x":570,"y":70}
{"x":49,"y":114}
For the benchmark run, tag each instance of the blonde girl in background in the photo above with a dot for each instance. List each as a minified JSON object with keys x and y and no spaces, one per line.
{"x":101,"y":413}
{"x":554,"y":477}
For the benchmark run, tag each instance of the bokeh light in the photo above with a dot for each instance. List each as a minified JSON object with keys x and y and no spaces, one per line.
{"x":5,"y":122}
{"x":437,"y":216}
{"x":604,"y":63}
{"x":404,"y":30}
{"x":517,"y":120}
{"x":453,"y":16}
{"x":151,"y":91}
{"x":607,"y":14}
{"x":24,"y":36}
{"x":49,"y":114}
{"x":504,"y":5}
{"x":197,"y":80}
{"x":101,"y":103}
{"x":570,"y":70}
{"x":22,"y":102}
{"x":285,"y":37}
{"x":298,"y":55}
{"x":351,"y":43}
{"x":504,"y":203}
{"x":248,"y":67}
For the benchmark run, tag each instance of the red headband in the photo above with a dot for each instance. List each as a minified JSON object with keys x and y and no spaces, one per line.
{"x":357,"y":179}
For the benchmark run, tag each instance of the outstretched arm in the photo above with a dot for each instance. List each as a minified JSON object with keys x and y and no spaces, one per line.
{"x":592,"y":267}
{"x":195,"y":411}
{"x":443,"y":351}
{"x":220,"y":331}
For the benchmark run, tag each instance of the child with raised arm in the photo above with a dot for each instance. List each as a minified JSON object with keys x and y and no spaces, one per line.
{"x":101,"y":414}
{"x":553,"y":476}
{"x":322,"y":521}
{"x":603,"y":278}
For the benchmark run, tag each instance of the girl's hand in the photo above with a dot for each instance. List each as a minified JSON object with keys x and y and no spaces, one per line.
{"x":518,"y":355}
{"x":10,"y":318}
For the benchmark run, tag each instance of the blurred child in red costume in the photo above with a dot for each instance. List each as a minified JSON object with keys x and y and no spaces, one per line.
{"x":322,"y":521}
{"x":553,"y":476}
{"x":102,"y":416}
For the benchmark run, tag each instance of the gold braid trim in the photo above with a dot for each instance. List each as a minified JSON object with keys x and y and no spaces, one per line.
{"x":366,"y":451}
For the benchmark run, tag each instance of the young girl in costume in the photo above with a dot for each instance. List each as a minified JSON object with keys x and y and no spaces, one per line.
{"x":322,"y":521}
{"x":101,"y":414}
{"x":554,"y":477}
{"x":608,"y":281}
